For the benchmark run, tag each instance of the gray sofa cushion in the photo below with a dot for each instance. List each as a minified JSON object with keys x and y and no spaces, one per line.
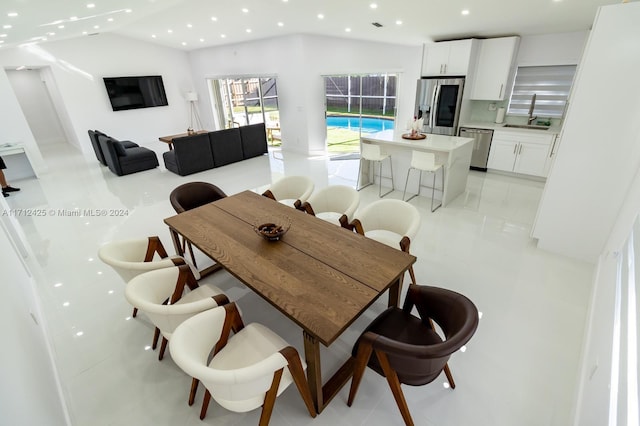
{"x":190,"y":154}
{"x":226,"y":146}
{"x":254,"y":140}
{"x":120,"y":149}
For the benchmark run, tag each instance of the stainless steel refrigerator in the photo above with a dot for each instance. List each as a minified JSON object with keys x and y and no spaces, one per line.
{"x":438,"y":101}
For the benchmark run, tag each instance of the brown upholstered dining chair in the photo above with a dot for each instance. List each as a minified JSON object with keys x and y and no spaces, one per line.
{"x":407,"y":349}
{"x":191,"y":195}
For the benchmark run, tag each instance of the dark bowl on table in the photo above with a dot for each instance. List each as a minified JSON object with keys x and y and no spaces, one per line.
{"x":273,"y":230}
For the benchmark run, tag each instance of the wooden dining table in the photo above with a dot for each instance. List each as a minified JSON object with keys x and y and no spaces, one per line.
{"x":321,"y":276}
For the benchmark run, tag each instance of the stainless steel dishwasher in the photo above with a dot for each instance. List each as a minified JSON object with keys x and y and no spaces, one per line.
{"x":481,"y":146}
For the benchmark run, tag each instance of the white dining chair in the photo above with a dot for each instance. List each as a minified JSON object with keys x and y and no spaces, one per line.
{"x":425,"y":162}
{"x":291,"y":190}
{"x":373,"y":152}
{"x":391,"y":222}
{"x":335,"y":204}
{"x":249,"y":368}
{"x":133,"y":257}
{"x":169,"y":296}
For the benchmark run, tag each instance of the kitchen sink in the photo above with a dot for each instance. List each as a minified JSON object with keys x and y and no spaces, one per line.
{"x":526,"y":126}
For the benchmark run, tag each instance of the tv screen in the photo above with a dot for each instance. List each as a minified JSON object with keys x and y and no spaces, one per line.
{"x":135,"y":92}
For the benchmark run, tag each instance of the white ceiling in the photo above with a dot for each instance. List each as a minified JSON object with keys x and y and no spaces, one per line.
{"x":422,"y":20}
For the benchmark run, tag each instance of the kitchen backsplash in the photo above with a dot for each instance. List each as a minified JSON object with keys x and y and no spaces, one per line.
{"x":480,"y":113}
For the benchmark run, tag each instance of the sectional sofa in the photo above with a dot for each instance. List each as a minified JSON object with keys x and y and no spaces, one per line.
{"x":195,"y":153}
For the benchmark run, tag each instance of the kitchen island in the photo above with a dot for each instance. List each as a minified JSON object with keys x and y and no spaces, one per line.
{"x":451,"y":151}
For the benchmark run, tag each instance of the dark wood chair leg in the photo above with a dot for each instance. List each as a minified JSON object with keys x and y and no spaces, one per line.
{"x":362,"y":358}
{"x":297,"y":372}
{"x":394,"y":384}
{"x":163,"y":347}
{"x":135,"y":312}
{"x":156,"y":336}
{"x":205,"y":404}
{"x":194,"y":389}
{"x":412,"y":275}
{"x":270,"y":399}
{"x":447,"y":373}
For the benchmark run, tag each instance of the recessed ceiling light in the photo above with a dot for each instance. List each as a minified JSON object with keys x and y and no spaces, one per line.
{"x":153,"y":36}
{"x":184,"y":43}
{"x":348,"y":30}
{"x":245,"y":10}
{"x":214,"y":19}
{"x":96,"y":26}
{"x":85,"y":33}
{"x":284,"y":1}
{"x":110,"y":19}
{"x":6,"y":27}
{"x":465,"y":12}
{"x":320,"y":16}
{"x":201,"y":40}
{"x":91,"y":5}
{"x":128,"y":11}
{"x":51,"y":34}
{"x":223,"y":36}
{"x":73,"y":18}
{"x":398,"y":22}
{"x":373,"y":6}
{"x":281,"y":24}
{"x":61,"y":26}
{"x":12,"y":14}
{"x":189,"y":26}
{"x":248,"y":30}
{"x":3,"y":35}
{"x":169,"y":31}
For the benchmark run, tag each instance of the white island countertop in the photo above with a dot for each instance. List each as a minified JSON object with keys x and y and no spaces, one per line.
{"x":453,"y":152}
{"x":439,"y":143}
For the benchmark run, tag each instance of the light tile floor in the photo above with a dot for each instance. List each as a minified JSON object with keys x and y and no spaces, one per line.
{"x":519,"y":369}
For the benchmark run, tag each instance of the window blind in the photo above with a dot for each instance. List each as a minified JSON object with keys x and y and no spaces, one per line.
{"x":551,"y":84}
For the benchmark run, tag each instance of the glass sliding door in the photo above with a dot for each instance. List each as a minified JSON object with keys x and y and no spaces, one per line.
{"x":357,"y":104}
{"x":243,"y":101}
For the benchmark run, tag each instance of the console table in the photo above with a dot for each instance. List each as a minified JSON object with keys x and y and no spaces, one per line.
{"x":17,"y":161}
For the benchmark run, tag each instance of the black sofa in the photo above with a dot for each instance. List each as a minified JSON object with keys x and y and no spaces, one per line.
{"x":195,"y":153}
{"x":122,"y":157}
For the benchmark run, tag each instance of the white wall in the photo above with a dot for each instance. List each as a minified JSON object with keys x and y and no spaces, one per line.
{"x":599,"y":150}
{"x":30,"y":392}
{"x":78,"y":66}
{"x":551,"y":49}
{"x":36,"y":106}
{"x":299,"y":62}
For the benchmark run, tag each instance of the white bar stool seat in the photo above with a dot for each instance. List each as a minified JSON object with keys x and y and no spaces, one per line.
{"x":425,"y":162}
{"x":372,"y":152}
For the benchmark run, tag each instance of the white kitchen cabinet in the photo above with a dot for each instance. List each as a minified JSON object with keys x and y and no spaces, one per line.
{"x":447,"y":57}
{"x":526,"y":153}
{"x":494,"y":68}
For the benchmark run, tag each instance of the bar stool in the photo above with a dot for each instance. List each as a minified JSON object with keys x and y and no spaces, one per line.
{"x":371,"y":152}
{"x":425,"y":162}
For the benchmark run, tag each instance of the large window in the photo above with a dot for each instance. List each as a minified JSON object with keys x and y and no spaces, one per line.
{"x":550,"y":84}
{"x":357,"y":104}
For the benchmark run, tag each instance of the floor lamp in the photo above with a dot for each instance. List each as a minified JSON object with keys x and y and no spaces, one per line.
{"x":194,"y":117}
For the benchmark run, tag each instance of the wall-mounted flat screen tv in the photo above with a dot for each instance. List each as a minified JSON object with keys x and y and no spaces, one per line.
{"x":135,"y":92}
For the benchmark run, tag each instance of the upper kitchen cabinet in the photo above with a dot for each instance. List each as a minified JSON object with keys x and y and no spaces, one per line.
{"x":447,"y":57}
{"x":496,"y":57}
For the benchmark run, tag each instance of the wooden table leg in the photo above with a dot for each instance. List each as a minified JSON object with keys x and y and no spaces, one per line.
{"x":394,"y":292}
{"x":314,"y":372}
{"x":175,"y":237}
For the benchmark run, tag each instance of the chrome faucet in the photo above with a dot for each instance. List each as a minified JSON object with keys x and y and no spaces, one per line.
{"x":531,"y":107}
